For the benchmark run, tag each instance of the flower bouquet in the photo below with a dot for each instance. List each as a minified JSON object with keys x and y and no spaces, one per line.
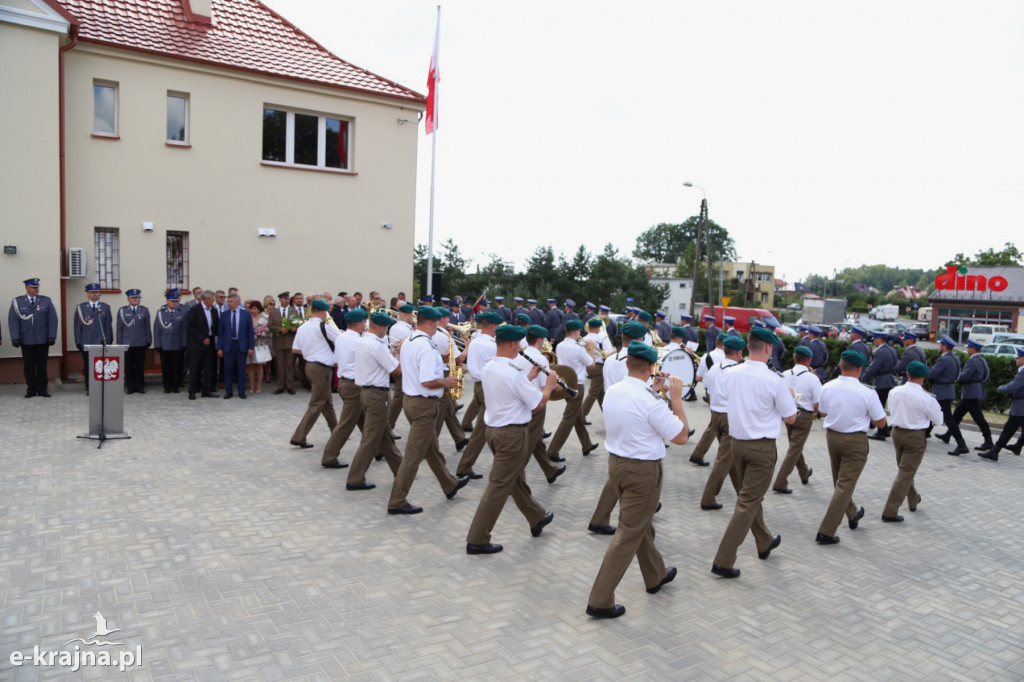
{"x":261,"y":329}
{"x":291,"y":323}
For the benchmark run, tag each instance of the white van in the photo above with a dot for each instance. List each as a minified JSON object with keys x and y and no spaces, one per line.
{"x":982,"y":333}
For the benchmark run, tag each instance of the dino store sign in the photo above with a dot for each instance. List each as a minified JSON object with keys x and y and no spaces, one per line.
{"x":957,"y":279}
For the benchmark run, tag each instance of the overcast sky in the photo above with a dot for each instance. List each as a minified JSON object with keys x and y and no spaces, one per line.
{"x":826,"y":134}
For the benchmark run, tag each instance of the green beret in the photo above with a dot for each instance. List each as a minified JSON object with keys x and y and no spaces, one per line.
{"x":538,"y":331}
{"x":489,"y":316}
{"x":633,"y":330}
{"x":444,"y":312}
{"x":510,"y":332}
{"x":639,"y":349}
{"x":854,"y":357}
{"x":803,"y":350}
{"x":381,"y":319}
{"x":594,"y":323}
{"x":573,"y":325}
{"x":407,"y":308}
{"x":355,"y":315}
{"x":645,"y":316}
{"x":321,"y":304}
{"x":523,"y":317}
{"x":733,"y":342}
{"x":917,"y":369}
{"x":765,"y":335}
{"x":427,"y":312}
{"x":678,"y":331}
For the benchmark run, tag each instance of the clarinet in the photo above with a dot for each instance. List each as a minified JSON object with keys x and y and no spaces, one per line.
{"x":564,"y":386}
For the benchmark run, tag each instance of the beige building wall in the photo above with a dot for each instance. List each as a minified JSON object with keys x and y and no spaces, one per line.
{"x":328,"y":224}
{"x":29,"y":173}
{"x":765,"y":281}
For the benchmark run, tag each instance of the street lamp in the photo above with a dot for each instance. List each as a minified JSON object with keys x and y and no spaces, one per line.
{"x":707,"y":237}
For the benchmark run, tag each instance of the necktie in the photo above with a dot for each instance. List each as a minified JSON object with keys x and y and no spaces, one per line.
{"x":234,"y":324}
{"x":32,"y":301}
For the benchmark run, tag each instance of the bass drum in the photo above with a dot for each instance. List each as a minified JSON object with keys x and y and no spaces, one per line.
{"x":682,"y":364}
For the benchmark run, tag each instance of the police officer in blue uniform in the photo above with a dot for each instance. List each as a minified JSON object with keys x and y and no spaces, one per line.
{"x":663,"y":328}
{"x":883,"y":364}
{"x":819,"y":352}
{"x":169,"y":339}
{"x":93,"y":326}
{"x":711,"y":334}
{"x":1015,"y":389}
{"x":611,"y":326}
{"x":553,"y":322}
{"x":943,"y":377}
{"x":591,"y":308}
{"x":859,"y":335}
{"x":133,"y":330}
{"x":972,"y":389}
{"x":33,"y":323}
{"x":501,"y":309}
{"x":912,"y":352}
{"x":729,"y":326}
{"x":570,"y":311}
{"x":689,"y":333}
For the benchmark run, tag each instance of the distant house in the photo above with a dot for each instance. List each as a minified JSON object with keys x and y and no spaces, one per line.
{"x":864,"y":289}
{"x":175,"y":143}
{"x":908,"y":292}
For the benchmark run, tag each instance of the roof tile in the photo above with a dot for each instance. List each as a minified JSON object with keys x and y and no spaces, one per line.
{"x":244,"y":35}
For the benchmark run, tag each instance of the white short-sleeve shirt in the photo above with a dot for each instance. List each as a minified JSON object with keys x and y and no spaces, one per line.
{"x":849,"y":405}
{"x":806,"y":383}
{"x":757,"y":398}
{"x":638,"y":421}
{"x":615,"y":369}
{"x":420,"y":362}
{"x":374,"y":362}
{"x":575,"y":356}
{"x":718,"y":401}
{"x":481,"y":350}
{"x":311,"y":342}
{"x":510,"y":396}
{"x":912,"y":407}
{"x":345,"y":353}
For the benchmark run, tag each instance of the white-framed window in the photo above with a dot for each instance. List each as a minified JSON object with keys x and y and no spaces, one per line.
{"x":104,"y":108}
{"x":106,"y":241}
{"x":308,"y":140}
{"x":177,"y":117}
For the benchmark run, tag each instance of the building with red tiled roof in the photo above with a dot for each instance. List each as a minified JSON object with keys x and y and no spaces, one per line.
{"x":178,"y":143}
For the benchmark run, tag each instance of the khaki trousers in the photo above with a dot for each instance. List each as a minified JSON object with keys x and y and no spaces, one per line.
{"x":754,"y":461}
{"x":319,"y":401}
{"x":910,"y":446}
{"x":472,"y":410}
{"x":706,"y":439}
{"x":478,"y":437}
{"x":572,"y":418}
{"x":605,"y":505}
{"x":377,"y":437}
{"x":536,"y":444}
{"x":798,"y":432}
{"x":719,"y":427}
{"x":637,"y":485}
{"x":349,"y":418}
{"x":284,"y":367}
{"x":507,"y":477}
{"x":422,"y":444}
{"x":446,"y":417}
{"x":596,"y":392}
{"x":396,"y":403}
{"x":848,"y":453}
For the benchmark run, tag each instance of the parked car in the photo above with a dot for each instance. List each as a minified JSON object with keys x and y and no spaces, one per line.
{"x":744,"y":316}
{"x":1003,"y":337}
{"x":892,"y":328}
{"x":1000,"y":349}
{"x":921,"y":329}
{"x":794,"y":307}
{"x":984,"y":333}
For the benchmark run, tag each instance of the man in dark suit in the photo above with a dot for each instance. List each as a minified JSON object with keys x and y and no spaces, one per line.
{"x":200,"y":333}
{"x":235,"y":342}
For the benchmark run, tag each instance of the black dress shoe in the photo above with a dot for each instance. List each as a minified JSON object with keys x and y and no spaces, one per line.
{"x":691,"y":432}
{"x":556,"y":458}
{"x":809,"y":472}
{"x":291,"y":391}
{"x":914,"y":507}
{"x":593,"y":447}
{"x":960,"y":450}
{"x":459,"y":407}
{"x":944,"y":437}
{"x":856,"y":519}
{"x":30,"y":394}
{"x":460,"y":483}
{"x":892,"y":519}
{"x":658,"y":508}
{"x":227,"y":396}
{"x":489,"y":548}
{"x":472,"y":475}
{"x":823,"y":539}
{"x":725,"y":572}
{"x":467,"y":429}
{"x":698,"y":461}
{"x":396,"y":436}
{"x":877,"y":435}
{"x":1015,"y":449}
{"x":301,"y":444}
{"x":191,"y":396}
{"x":334,"y":465}
{"x":601,"y":530}
{"x":539,"y":528}
{"x":360,"y":486}
{"x":711,"y":507}
{"x":670,"y":575}
{"x":613,"y":612}
{"x":558,"y":472}
{"x":378,"y":458}
{"x":776,"y":541}
{"x":547,"y":434}
{"x":787,"y":491}
{"x":988,"y":445}
{"x":175,"y":390}
{"x":279,"y":391}
{"x":586,"y":423}
{"x":992,"y":455}
{"x":242,"y":396}
{"x":166,"y":390}
{"x":211,"y":395}
{"x":461,"y":444}
{"x":407,"y":509}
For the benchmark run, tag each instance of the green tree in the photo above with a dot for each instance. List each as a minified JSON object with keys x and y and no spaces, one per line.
{"x":674,"y":243}
{"x":1009,"y":255}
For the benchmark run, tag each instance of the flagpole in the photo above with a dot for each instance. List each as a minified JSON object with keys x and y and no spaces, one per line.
{"x":434,"y":78}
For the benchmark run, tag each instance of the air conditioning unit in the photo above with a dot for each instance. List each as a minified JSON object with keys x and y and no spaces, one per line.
{"x":76,"y":262}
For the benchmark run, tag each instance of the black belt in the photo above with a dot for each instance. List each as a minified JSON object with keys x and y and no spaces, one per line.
{"x":509,"y":426}
{"x":314,"y":362}
{"x":425,"y":397}
{"x":376,"y":388}
{"x":347,"y":379}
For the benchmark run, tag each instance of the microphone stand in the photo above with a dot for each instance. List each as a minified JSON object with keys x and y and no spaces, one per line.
{"x":103,"y":377}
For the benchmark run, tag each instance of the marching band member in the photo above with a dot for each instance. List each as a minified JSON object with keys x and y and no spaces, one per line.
{"x":351,"y":414}
{"x":718,"y":427}
{"x":314,"y":342}
{"x":396,"y":335}
{"x":535,"y":336}
{"x":602,"y":347}
{"x":479,"y":353}
{"x":577,"y":357}
{"x":507,"y":416}
{"x":807,"y":389}
{"x":443,"y":342}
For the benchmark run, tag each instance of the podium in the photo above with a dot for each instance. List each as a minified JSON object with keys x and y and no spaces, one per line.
{"x":106,"y":392}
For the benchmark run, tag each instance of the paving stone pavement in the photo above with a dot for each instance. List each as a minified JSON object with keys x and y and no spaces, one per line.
{"x":229,"y":555}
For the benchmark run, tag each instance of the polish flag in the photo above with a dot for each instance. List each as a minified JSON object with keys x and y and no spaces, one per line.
{"x":433,"y":78}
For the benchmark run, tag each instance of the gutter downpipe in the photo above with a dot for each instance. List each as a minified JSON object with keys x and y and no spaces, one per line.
{"x":73,"y":34}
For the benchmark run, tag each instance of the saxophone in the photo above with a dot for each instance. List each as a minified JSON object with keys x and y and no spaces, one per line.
{"x":455,"y":392}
